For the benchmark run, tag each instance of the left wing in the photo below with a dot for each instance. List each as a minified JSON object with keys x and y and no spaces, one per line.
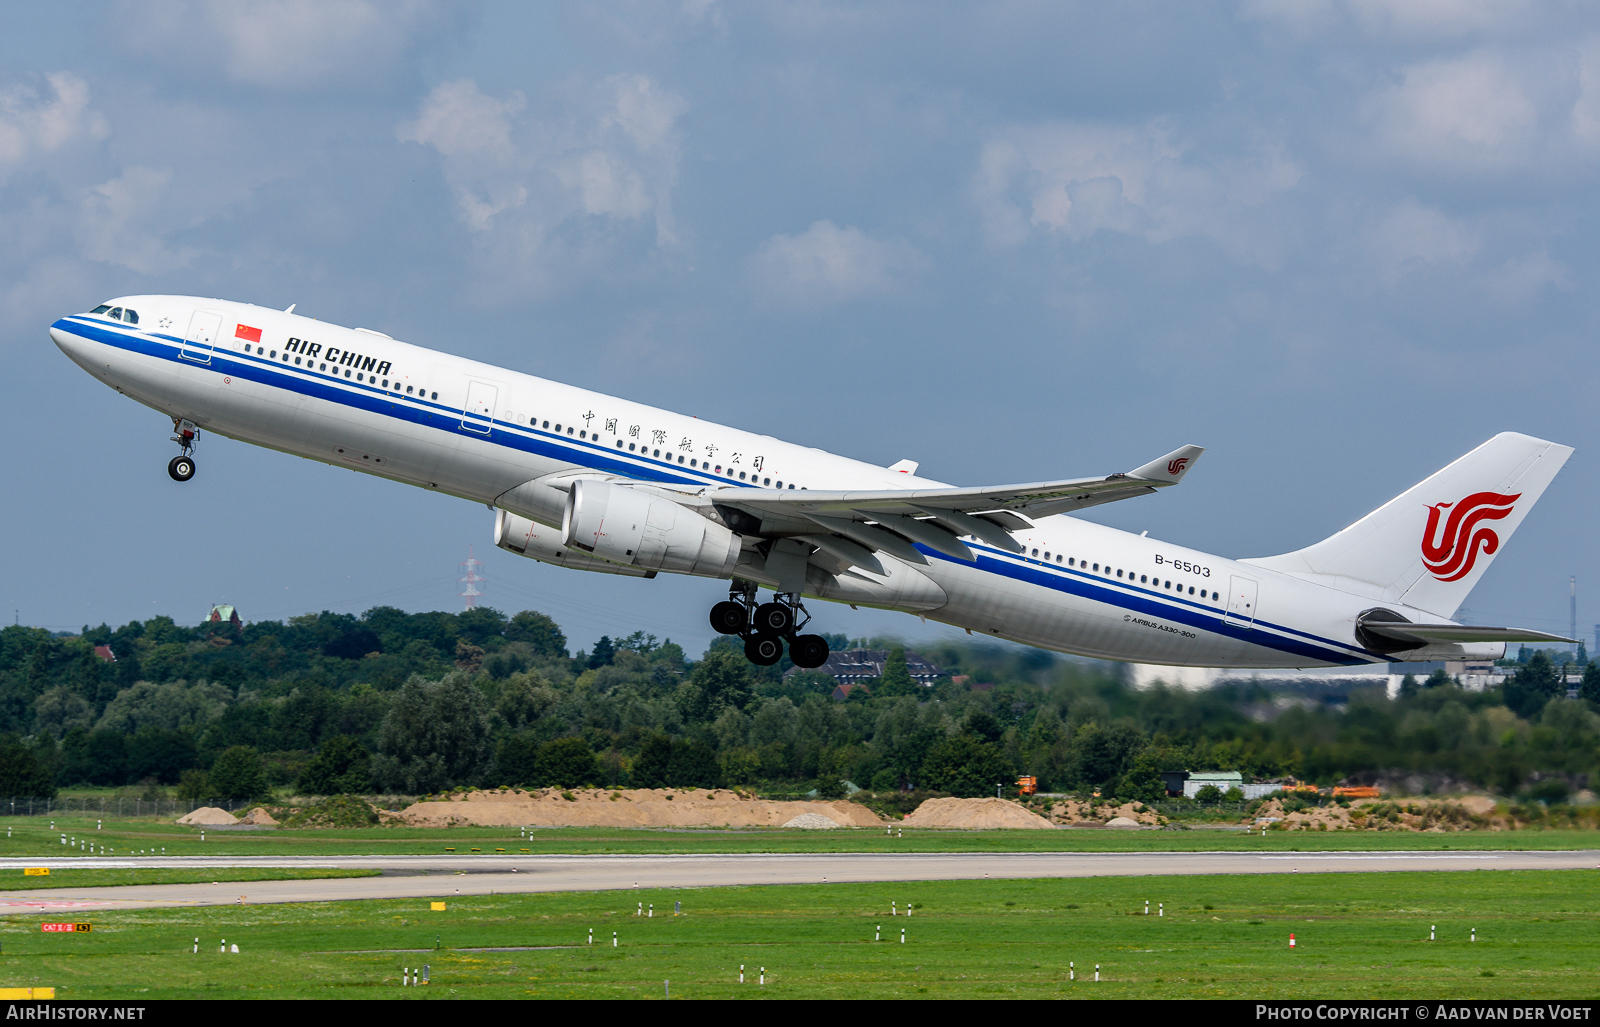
{"x":891,"y":521}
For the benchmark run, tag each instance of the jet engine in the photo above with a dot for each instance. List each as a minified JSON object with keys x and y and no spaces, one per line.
{"x":631,"y":527}
{"x":528,"y":538}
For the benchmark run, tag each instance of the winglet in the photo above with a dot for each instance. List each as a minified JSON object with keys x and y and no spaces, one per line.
{"x":1170,"y":468}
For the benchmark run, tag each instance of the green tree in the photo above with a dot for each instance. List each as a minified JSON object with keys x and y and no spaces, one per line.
{"x":539,"y":632}
{"x":1527,"y":691}
{"x":436,"y":734}
{"x":896,"y":679}
{"x":1208,"y":795}
{"x":1408,"y":686}
{"x":342,"y":767}
{"x":604,"y":653}
{"x":516,"y":762}
{"x":693,"y":765}
{"x":718,"y":682}
{"x":1437,"y":678}
{"x":650,"y":768}
{"x":238,"y":774}
{"x":21,"y":773}
{"x":964,"y":765}
{"x":568,"y":763}
{"x":1590,"y":689}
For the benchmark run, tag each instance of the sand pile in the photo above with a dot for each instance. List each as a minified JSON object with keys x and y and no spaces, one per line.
{"x":1122,"y":822}
{"x":258,"y":816}
{"x":812,"y":822}
{"x":1073,"y":813}
{"x":973,"y":814}
{"x":1473,"y":812}
{"x":639,"y":807}
{"x":209,"y":815}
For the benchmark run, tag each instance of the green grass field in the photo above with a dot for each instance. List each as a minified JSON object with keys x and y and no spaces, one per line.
{"x":92,"y":877}
{"x":35,"y":837}
{"x":1358,"y":935}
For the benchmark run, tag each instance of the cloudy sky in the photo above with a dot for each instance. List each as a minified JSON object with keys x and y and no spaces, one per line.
{"x":1338,"y":243}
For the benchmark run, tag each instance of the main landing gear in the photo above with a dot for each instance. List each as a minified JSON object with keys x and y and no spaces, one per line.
{"x":764,"y":627}
{"x":181,"y":468}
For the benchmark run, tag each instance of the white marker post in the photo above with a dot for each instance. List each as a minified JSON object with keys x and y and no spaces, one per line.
{"x":1161,"y":909}
{"x":892,"y":908}
{"x":902,"y":935}
{"x":763,"y":976}
{"x":613,"y":939}
{"x":1097,"y":973}
{"x":1431,"y":929}
{"x":1072,"y":971}
{"x":1474,"y":934}
{"x":197,"y":946}
{"x":877,"y":933}
{"x":1146,"y":907}
{"x":741,"y":973}
{"x":591,"y":936}
{"x":1291,"y":941}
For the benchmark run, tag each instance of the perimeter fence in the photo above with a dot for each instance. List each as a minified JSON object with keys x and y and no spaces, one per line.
{"x":113,"y":806}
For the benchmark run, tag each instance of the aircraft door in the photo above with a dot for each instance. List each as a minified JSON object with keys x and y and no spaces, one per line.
{"x":1241,"y":602}
{"x":478,"y":416}
{"x":203,"y":328}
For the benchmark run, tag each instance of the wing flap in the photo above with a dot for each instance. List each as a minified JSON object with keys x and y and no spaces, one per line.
{"x":1423,"y":634}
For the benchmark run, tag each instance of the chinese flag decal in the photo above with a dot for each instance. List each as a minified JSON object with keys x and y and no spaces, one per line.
{"x":247,"y":333}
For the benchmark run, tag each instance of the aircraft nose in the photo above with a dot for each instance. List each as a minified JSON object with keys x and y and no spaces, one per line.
{"x":66,"y":340}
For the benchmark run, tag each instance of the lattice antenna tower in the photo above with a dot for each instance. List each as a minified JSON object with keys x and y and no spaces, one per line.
{"x":471,"y":579}
{"x":1574,"y":608}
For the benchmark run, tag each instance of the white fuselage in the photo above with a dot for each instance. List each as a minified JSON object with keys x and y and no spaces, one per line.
{"x":362,"y":400}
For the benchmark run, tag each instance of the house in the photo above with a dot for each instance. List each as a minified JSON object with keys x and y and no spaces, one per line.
{"x":852,"y":666}
{"x":224,"y":615}
{"x":105,"y":653}
{"x":842,"y":693}
{"x":1223,"y":780}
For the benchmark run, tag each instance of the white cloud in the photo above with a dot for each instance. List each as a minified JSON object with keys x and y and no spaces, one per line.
{"x":1399,"y":20}
{"x":1412,"y":237}
{"x":1523,"y":278}
{"x":1471,"y":113}
{"x":827,"y":264}
{"x":121,"y":221}
{"x":541,"y":186}
{"x":1071,"y":180}
{"x":294,"y":45}
{"x":33,"y":124}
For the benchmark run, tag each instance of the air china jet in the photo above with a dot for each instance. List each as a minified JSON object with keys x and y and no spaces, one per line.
{"x":595,"y":483}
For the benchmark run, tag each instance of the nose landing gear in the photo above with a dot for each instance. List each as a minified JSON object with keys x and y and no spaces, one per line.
{"x":764,"y":627}
{"x":181,"y":468}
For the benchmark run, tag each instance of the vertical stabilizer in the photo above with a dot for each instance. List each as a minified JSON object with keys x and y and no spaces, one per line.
{"x":1428,"y":546}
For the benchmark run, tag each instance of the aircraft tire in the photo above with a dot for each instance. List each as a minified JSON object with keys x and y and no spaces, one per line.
{"x":763,"y":650}
{"x":774,"y":619}
{"x":729,"y":618}
{"x":808,"y":651}
{"x":181,"y":468}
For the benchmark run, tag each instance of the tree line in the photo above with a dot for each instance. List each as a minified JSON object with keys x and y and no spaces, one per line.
{"x":416,"y":703}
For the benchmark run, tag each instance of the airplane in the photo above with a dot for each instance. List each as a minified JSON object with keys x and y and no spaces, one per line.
{"x":592,"y":482}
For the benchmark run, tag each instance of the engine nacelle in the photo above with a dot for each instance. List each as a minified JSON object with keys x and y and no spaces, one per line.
{"x":516,"y":534}
{"x":635,"y":528}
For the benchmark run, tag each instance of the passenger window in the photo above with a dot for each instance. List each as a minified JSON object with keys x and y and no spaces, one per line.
{"x":630,"y":447}
{"x":741,"y":476}
{"x":320,"y":367}
{"x":1143,"y":578}
{"x":1071,"y":561}
{"x":619,"y":443}
{"x":656,"y":454}
{"x":1119,"y":573}
{"x":719,"y":469}
{"x":274,"y":355}
{"x":694,"y":463}
{"x":547,"y":424}
{"x":583,"y":435}
{"x":435,"y":395}
{"x":558,"y":427}
{"x":569,"y":429}
{"x":680,"y":459}
{"x":791,"y":487}
{"x":131,"y":316}
{"x":297,"y":360}
{"x":766,"y":481}
{"x":116,"y":313}
{"x":1097,"y":567}
{"x":1035,"y":552}
{"x":101,"y":309}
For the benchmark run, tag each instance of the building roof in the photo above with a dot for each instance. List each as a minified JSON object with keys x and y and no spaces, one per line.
{"x":852,"y":665}
{"x":223,"y":613}
{"x":1206,"y":777}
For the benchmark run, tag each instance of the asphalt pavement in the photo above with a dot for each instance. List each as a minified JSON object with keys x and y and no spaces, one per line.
{"x":438,"y":877}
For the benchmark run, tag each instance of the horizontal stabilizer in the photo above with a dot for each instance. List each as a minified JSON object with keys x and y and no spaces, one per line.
{"x":1426,"y":634}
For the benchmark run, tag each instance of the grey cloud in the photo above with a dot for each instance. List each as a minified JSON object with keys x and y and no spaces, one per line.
{"x":827,"y":264}
{"x":35,"y":121}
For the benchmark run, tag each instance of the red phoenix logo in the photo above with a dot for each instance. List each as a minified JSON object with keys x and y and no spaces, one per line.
{"x":1451,"y":552}
{"x":1175,"y":467}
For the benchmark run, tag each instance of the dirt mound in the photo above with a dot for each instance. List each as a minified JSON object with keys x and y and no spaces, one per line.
{"x":258,"y":816}
{"x":640,"y":807}
{"x":974,"y":814}
{"x":1090,"y":813}
{"x":335,"y":811}
{"x":1472,"y":812}
{"x":209,"y":815}
{"x":1122,"y":822}
{"x":812,"y":822}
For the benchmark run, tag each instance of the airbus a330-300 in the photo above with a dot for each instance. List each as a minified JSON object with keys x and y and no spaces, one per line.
{"x":595,"y":483}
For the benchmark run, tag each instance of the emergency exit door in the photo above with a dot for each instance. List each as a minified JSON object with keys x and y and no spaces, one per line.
{"x":478,"y":415}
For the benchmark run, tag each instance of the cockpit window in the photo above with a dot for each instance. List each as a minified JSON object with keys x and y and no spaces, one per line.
{"x":101,"y":309}
{"x":116,"y":313}
{"x":131,"y":316}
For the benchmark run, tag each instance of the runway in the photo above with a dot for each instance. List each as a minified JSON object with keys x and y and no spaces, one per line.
{"x":444,"y":877}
